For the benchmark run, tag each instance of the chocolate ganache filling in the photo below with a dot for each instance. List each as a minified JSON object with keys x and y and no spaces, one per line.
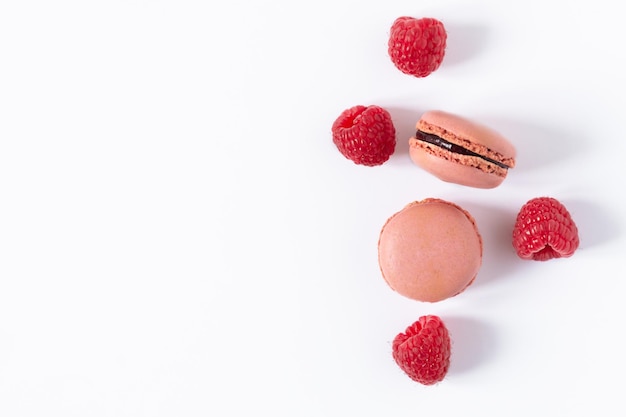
{"x":452,"y":147}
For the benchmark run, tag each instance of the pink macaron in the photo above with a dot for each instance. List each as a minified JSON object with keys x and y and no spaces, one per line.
{"x":430,"y":250}
{"x":461,"y":151}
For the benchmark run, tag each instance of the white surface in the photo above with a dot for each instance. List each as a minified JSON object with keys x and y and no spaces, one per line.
{"x":179,"y":236}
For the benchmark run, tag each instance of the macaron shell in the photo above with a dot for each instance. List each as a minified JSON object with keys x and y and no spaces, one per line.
{"x":430,"y":251}
{"x":471,"y":131}
{"x":454,"y":171}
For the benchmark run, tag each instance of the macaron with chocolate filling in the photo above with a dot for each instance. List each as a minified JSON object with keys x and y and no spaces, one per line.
{"x":461,"y":151}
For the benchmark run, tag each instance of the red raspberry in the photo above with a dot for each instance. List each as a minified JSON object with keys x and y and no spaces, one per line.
{"x":423,"y":352}
{"x":544,"y":230}
{"x":365,"y":135}
{"x":417,"y":46}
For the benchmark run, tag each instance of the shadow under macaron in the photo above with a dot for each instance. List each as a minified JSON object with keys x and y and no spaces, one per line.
{"x":538,"y":146}
{"x":495,"y":225}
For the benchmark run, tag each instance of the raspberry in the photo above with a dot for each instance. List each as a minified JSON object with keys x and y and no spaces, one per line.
{"x":544,"y":230}
{"x":417,"y":46}
{"x":365,"y":135}
{"x":423,"y":352}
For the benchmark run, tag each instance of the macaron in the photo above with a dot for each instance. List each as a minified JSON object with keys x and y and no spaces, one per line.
{"x":461,"y":151}
{"x":430,"y":250}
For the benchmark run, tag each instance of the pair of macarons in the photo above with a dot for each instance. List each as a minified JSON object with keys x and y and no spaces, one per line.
{"x":432,"y":249}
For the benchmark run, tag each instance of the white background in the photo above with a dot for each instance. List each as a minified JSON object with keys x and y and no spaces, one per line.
{"x":180,"y":237}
